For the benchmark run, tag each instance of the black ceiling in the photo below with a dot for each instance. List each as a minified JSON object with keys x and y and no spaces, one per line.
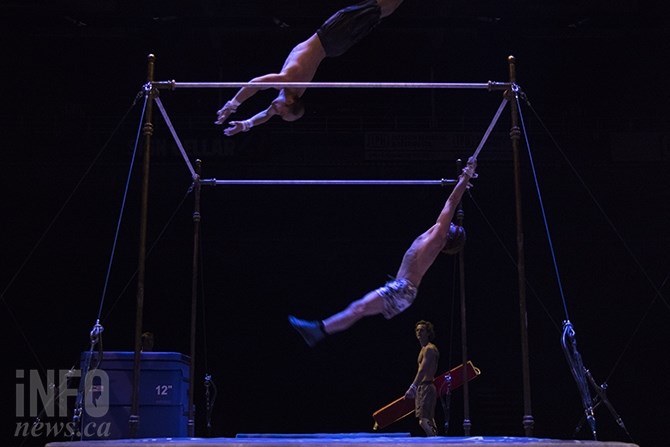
{"x":555,"y":16}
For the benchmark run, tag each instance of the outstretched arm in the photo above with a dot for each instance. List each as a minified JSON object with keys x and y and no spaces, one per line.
{"x":235,"y":127}
{"x":245,"y":93}
{"x":426,"y":247}
{"x":447,"y":213}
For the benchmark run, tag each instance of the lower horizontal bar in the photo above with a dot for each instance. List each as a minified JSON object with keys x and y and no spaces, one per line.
{"x":215,"y":182}
{"x":490,"y":85}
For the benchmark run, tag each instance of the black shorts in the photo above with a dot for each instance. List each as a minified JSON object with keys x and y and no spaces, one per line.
{"x":347,"y":26}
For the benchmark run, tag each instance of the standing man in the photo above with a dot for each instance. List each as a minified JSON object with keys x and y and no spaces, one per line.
{"x":339,"y":33}
{"x":398,"y":294}
{"x":422,"y":389}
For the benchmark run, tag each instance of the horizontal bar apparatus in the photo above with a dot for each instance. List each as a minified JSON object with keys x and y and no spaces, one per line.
{"x":215,"y":182}
{"x":490,"y":85}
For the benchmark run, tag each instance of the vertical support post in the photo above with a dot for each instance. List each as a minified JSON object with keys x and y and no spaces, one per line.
{"x":515,"y":135}
{"x":460,"y":215}
{"x":194,"y":296}
{"x":147,"y":131}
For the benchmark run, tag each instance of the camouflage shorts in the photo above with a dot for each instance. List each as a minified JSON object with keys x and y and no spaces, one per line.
{"x":398,"y":295}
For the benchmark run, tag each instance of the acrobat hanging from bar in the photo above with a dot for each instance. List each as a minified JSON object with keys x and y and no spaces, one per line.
{"x":339,"y":33}
{"x":399,"y":293}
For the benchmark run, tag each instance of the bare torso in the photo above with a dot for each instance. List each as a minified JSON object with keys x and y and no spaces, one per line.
{"x":429,"y":369}
{"x":421,"y":254}
{"x":303,"y":61}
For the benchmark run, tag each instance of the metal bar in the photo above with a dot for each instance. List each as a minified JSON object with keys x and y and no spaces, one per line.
{"x":215,"y":182}
{"x":460,"y":218}
{"x":490,"y":85}
{"x":194,"y":299}
{"x":175,"y":136}
{"x":528,"y":420}
{"x":147,"y":131}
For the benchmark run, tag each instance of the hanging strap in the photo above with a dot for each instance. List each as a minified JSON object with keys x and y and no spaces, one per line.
{"x":491,"y":126}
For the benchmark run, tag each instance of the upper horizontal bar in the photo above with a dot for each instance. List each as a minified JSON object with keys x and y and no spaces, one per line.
{"x":215,"y":182}
{"x":490,"y":85}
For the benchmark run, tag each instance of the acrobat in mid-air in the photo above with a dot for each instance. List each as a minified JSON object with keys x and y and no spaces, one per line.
{"x":339,"y":33}
{"x":398,"y":294}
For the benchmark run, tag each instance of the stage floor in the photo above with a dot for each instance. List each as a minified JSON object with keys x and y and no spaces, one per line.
{"x":341,"y":440}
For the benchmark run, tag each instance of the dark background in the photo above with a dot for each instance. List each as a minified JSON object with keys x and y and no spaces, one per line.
{"x":595,"y":73}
